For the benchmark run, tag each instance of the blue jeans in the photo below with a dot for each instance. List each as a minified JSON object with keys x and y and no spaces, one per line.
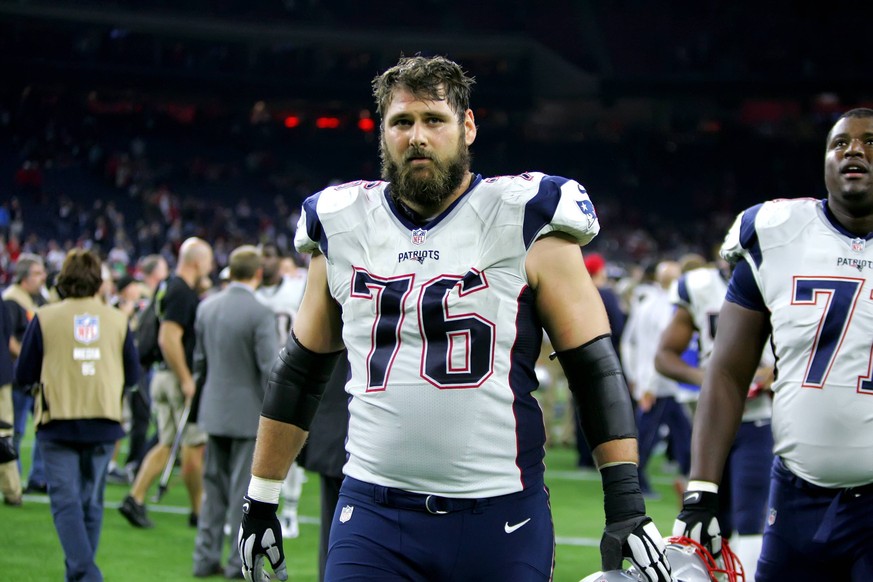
{"x":76,"y":477}
{"x":22,"y":403}
{"x":665,"y":411}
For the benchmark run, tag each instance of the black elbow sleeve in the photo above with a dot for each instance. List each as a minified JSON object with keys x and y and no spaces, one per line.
{"x":296,"y":384}
{"x":597,"y":382}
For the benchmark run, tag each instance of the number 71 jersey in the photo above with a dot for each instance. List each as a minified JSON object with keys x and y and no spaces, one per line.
{"x":441,"y":331}
{"x":815,"y":280}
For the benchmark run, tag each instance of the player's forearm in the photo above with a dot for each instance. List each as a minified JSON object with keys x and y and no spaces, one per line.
{"x":715,"y":424}
{"x":671,"y":365}
{"x":616,"y":451}
{"x":278,"y":444}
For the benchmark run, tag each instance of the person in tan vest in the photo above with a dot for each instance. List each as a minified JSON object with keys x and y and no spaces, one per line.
{"x":81,"y":354}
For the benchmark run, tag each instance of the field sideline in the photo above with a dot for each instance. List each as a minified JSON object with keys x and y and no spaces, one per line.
{"x":32,"y":553}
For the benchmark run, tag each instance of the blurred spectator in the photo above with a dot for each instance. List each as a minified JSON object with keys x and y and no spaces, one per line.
{"x":172,"y":388}
{"x":235,"y":348}
{"x":23,"y":299}
{"x":10,"y":477}
{"x":81,"y":353}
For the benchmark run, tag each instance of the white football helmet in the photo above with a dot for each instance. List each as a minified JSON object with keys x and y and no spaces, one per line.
{"x":689,"y":562}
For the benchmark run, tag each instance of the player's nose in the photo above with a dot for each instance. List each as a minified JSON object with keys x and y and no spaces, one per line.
{"x":855,"y":148}
{"x":417,"y":135}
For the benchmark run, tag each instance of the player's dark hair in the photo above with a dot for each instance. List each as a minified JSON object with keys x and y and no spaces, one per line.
{"x":271,"y":248}
{"x":435,"y":78}
{"x":80,"y":274}
{"x":858,"y":112}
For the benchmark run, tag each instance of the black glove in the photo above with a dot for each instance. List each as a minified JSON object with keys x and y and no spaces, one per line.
{"x":698,"y":520}
{"x":260,"y":536}
{"x":629,"y":533}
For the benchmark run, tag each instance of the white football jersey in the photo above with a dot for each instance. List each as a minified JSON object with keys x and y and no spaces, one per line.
{"x":284,"y":299}
{"x":815,"y":280}
{"x":701,"y":292}
{"x":441,"y":330}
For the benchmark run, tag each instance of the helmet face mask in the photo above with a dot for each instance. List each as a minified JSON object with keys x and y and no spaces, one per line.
{"x":689,"y":562}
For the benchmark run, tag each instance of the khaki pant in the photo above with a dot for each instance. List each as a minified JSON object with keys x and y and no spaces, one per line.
{"x":10,"y":480}
{"x":168,"y":403}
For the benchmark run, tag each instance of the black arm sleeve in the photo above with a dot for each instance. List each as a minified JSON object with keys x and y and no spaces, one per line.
{"x":597,"y":382}
{"x":296,"y":383}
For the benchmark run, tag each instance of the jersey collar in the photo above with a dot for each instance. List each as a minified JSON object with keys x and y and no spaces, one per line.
{"x":406,"y":220}
{"x":829,"y":215}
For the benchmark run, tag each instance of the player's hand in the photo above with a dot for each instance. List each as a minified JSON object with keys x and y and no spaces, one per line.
{"x":698,"y":520}
{"x":260,"y":536}
{"x":637,"y":540}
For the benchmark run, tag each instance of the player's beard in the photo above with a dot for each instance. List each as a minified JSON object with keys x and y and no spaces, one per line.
{"x":426,"y":187}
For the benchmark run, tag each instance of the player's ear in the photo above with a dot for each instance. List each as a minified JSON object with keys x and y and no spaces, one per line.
{"x":469,"y":127}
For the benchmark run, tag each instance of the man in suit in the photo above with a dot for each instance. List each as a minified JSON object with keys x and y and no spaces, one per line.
{"x":236,"y":344}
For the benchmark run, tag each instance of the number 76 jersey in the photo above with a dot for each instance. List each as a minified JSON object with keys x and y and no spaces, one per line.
{"x":441,"y":331}
{"x":815,"y":280}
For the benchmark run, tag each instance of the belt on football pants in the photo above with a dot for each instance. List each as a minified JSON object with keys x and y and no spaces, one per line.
{"x":813,"y":489}
{"x":829,"y":520}
{"x":401,"y":499}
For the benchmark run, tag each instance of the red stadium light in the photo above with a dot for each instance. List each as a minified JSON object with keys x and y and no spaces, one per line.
{"x":292,"y":121}
{"x":366,"y":124}
{"x":327,"y":122}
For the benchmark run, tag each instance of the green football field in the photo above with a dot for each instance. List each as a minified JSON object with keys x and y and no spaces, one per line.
{"x":31,"y":552}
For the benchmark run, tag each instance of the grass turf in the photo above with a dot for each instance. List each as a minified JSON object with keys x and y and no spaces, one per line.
{"x":32,"y":552}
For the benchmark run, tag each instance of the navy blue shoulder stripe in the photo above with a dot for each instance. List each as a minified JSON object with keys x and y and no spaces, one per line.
{"x":682,"y":287}
{"x":313,"y":222}
{"x":748,"y":234}
{"x":540,"y":209}
{"x":743,"y":289}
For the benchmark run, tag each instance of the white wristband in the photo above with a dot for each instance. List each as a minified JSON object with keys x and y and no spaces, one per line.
{"x":702,"y":486}
{"x":266,"y":490}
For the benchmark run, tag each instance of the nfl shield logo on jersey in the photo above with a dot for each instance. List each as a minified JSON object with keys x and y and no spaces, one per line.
{"x":346,"y":513}
{"x":86,"y":328}
{"x":858,"y":245}
{"x":419,"y":235}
